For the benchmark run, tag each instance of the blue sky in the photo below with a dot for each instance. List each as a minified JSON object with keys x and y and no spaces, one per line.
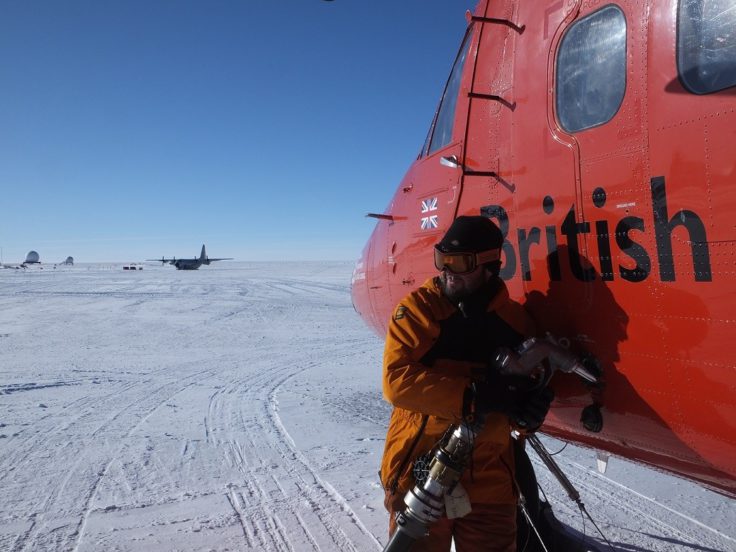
{"x":267,"y":130}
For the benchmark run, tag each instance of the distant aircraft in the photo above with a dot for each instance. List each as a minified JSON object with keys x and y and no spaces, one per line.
{"x":190,"y":264}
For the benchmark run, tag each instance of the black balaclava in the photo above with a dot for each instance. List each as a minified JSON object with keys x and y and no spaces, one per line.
{"x":474,"y":234}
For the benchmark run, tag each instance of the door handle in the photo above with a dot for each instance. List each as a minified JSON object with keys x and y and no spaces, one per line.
{"x":450,"y":161}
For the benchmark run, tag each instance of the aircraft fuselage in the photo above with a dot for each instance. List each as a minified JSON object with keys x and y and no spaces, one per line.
{"x":187,"y":265}
{"x":600,"y":140}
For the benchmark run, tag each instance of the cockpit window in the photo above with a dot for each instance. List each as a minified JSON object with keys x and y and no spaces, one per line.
{"x":706,"y":44}
{"x":591,"y":70}
{"x":441,"y":132}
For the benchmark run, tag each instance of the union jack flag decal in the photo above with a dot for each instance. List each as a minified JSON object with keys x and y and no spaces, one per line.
{"x":429,"y":205}
{"x":430,"y":221}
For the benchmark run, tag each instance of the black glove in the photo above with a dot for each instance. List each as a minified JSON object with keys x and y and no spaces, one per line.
{"x":508,"y":395}
{"x":500,"y":394}
{"x":530,"y":411}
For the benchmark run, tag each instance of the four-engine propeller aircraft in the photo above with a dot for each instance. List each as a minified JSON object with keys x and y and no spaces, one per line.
{"x":190,"y":264}
{"x":600,"y":139}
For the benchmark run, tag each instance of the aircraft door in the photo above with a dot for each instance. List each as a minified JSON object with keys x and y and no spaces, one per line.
{"x":523,"y":170}
{"x":426,"y":202}
{"x":601,"y":67}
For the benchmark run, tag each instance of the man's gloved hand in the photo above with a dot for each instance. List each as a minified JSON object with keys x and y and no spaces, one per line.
{"x":508,"y":395}
{"x":501,"y":394}
{"x":530,"y":411}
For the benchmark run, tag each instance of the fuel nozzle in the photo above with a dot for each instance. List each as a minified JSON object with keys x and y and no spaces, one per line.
{"x":528,"y":357}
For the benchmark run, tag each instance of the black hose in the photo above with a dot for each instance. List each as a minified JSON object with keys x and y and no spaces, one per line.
{"x":401,"y":541}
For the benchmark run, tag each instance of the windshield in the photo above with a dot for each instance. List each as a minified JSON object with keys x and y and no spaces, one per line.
{"x":440,"y":133}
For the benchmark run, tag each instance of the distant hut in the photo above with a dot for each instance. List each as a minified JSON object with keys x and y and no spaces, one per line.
{"x":69,"y":261}
{"x":32,"y":258}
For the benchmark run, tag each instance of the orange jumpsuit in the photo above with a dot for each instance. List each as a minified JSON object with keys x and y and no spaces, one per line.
{"x":432,"y":355}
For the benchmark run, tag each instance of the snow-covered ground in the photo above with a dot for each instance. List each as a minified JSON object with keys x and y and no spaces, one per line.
{"x":237,"y":407}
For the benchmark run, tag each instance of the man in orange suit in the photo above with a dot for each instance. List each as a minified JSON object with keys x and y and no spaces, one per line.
{"x":436,"y":373}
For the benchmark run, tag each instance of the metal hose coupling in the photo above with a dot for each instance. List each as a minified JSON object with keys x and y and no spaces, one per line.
{"x":425,"y":502}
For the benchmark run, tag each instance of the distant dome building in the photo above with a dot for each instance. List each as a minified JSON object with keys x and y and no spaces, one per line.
{"x":32,"y":258}
{"x":69,"y":261}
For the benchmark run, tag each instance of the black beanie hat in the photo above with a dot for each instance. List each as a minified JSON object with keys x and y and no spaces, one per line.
{"x":471,"y":234}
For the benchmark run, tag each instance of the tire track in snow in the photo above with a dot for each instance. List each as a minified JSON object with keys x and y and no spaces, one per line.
{"x":20,"y":448}
{"x":58,"y":520}
{"x":339,"y":499}
{"x":667,"y":508}
{"x":20,"y":453}
{"x":643,"y":515}
{"x":258,"y":461}
{"x":283,"y":488}
{"x":158,"y":402}
{"x":254,"y":501}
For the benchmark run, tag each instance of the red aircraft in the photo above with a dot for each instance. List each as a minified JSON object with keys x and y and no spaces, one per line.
{"x":600,"y":138}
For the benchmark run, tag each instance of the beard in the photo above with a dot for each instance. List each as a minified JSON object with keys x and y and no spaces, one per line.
{"x":471,"y":296}
{"x":453,"y":288}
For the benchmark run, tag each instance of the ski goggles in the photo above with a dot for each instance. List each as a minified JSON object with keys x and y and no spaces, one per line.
{"x":464,"y":263}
